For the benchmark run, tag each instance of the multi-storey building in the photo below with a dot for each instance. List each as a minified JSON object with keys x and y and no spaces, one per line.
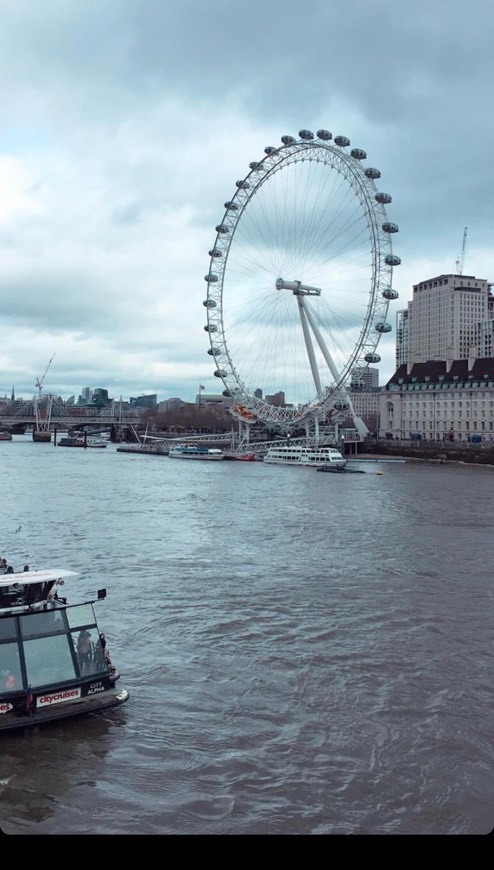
{"x":440,"y":401}
{"x":443,"y":320}
{"x":402,"y":336}
{"x":365,"y":378}
{"x":277,"y":399}
{"x":364,"y":395}
{"x":150,"y":401}
{"x":443,"y":388}
{"x":366,"y":404}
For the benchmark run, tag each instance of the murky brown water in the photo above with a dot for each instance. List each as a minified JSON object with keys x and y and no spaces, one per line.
{"x":306,"y":653}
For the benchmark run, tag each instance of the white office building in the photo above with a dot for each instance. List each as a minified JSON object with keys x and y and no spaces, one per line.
{"x":443,"y":388}
{"x":446,"y":319}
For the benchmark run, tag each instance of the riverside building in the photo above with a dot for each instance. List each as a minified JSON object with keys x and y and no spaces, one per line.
{"x":443,"y":388}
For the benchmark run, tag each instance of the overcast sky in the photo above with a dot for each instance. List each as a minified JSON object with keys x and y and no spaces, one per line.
{"x":125,"y":124}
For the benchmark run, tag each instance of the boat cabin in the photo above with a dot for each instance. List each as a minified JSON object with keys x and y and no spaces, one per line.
{"x":53,"y":658}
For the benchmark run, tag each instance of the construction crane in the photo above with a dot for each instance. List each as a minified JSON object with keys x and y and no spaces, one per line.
{"x":461,"y":260}
{"x":40,"y":381}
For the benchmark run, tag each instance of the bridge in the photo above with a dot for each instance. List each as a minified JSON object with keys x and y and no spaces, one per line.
{"x":62,"y":417}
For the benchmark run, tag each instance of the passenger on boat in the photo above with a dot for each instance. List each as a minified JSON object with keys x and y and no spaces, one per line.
{"x":3,"y":566}
{"x":48,"y":591}
{"x":101,"y":656}
{"x":84,"y":650}
{"x":8,"y":679}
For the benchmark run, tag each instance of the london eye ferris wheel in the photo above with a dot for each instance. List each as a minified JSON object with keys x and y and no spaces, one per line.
{"x":300,"y":281}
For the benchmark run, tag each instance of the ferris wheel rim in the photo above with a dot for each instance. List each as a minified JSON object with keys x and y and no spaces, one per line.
{"x":362,"y":181}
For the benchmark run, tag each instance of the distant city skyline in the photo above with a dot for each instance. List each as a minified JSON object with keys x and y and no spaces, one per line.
{"x":125,"y":130}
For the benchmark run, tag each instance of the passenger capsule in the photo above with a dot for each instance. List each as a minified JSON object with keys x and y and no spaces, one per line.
{"x":358,"y":153}
{"x":255,"y":165}
{"x":390,"y":228}
{"x":384,"y":198}
{"x":209,"y":303}
{"x":214,"y":351}
{"x":242,"y":185}
{"x":325,"y":135}
{"x":215,"y":253}
{"x":269,"y":149}
{"x":221,"y":228}
{"x":227,"y":394}
{"x":288,"y":140}
{"x":389,"y":293}
{"x":211,"y":279}
{"x":343,"y":141}
{"x":372,"y":173}
{"x":210,"y":327}
{"x":392,"y":260}
{"x":383,"y":327}
{"x":220,"y":373}
{"x":231,"y":206}
{"x":305,"y":134}
{"x":372,"y":358}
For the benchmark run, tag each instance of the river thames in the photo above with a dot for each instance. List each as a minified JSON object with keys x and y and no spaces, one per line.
{"x":306,"y":653}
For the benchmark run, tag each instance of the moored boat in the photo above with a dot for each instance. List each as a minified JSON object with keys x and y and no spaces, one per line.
{"x":315,"y":457}
{"x":71,"y":441}
{"x":81,"y":441}
{"x":54,"y":662}
{"x":5,"y":436}
{"x":151,"y":448}
{"x":195,"y":451}
{"x":148,"y":444}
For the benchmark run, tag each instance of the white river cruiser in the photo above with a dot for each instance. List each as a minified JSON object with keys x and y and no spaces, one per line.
{"x":195,"y":451}
{"x":315,"y":457}
{"x":54,"y":661}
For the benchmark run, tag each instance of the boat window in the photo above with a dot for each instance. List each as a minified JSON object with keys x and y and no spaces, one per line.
{"x":10,"y":668}
{"x":44,"y":622}
{"x":82,"y":614}
{"x":90,"y":654}
{"x":48,"y":660}
{"x":7,"y":628}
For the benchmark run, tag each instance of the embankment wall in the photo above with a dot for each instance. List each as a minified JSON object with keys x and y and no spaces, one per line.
{"x":430,"y":450}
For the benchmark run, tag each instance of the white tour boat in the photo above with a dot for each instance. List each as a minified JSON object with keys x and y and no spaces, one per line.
{"x":317,"y":457}
{"x":54,"y":661}
{"x":194,"y":451}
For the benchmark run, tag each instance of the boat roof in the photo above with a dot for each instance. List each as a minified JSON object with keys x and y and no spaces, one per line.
{"x":25,"y":578}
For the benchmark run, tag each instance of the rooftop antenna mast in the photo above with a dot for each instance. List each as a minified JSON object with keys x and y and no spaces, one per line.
{"x":461,"y":260}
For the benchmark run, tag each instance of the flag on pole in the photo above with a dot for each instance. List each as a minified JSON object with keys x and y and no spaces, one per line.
{"x":201,"y":387}
{"x":29,"y":702}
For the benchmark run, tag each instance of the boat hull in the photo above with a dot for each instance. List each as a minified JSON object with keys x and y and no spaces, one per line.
{"x":81,"y":442}
{"x":141,"y":448}
{"x":312,"y":458}
{"x":185,"y":452}
{"x":193,"y":456}
{"x":12,"y":720}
